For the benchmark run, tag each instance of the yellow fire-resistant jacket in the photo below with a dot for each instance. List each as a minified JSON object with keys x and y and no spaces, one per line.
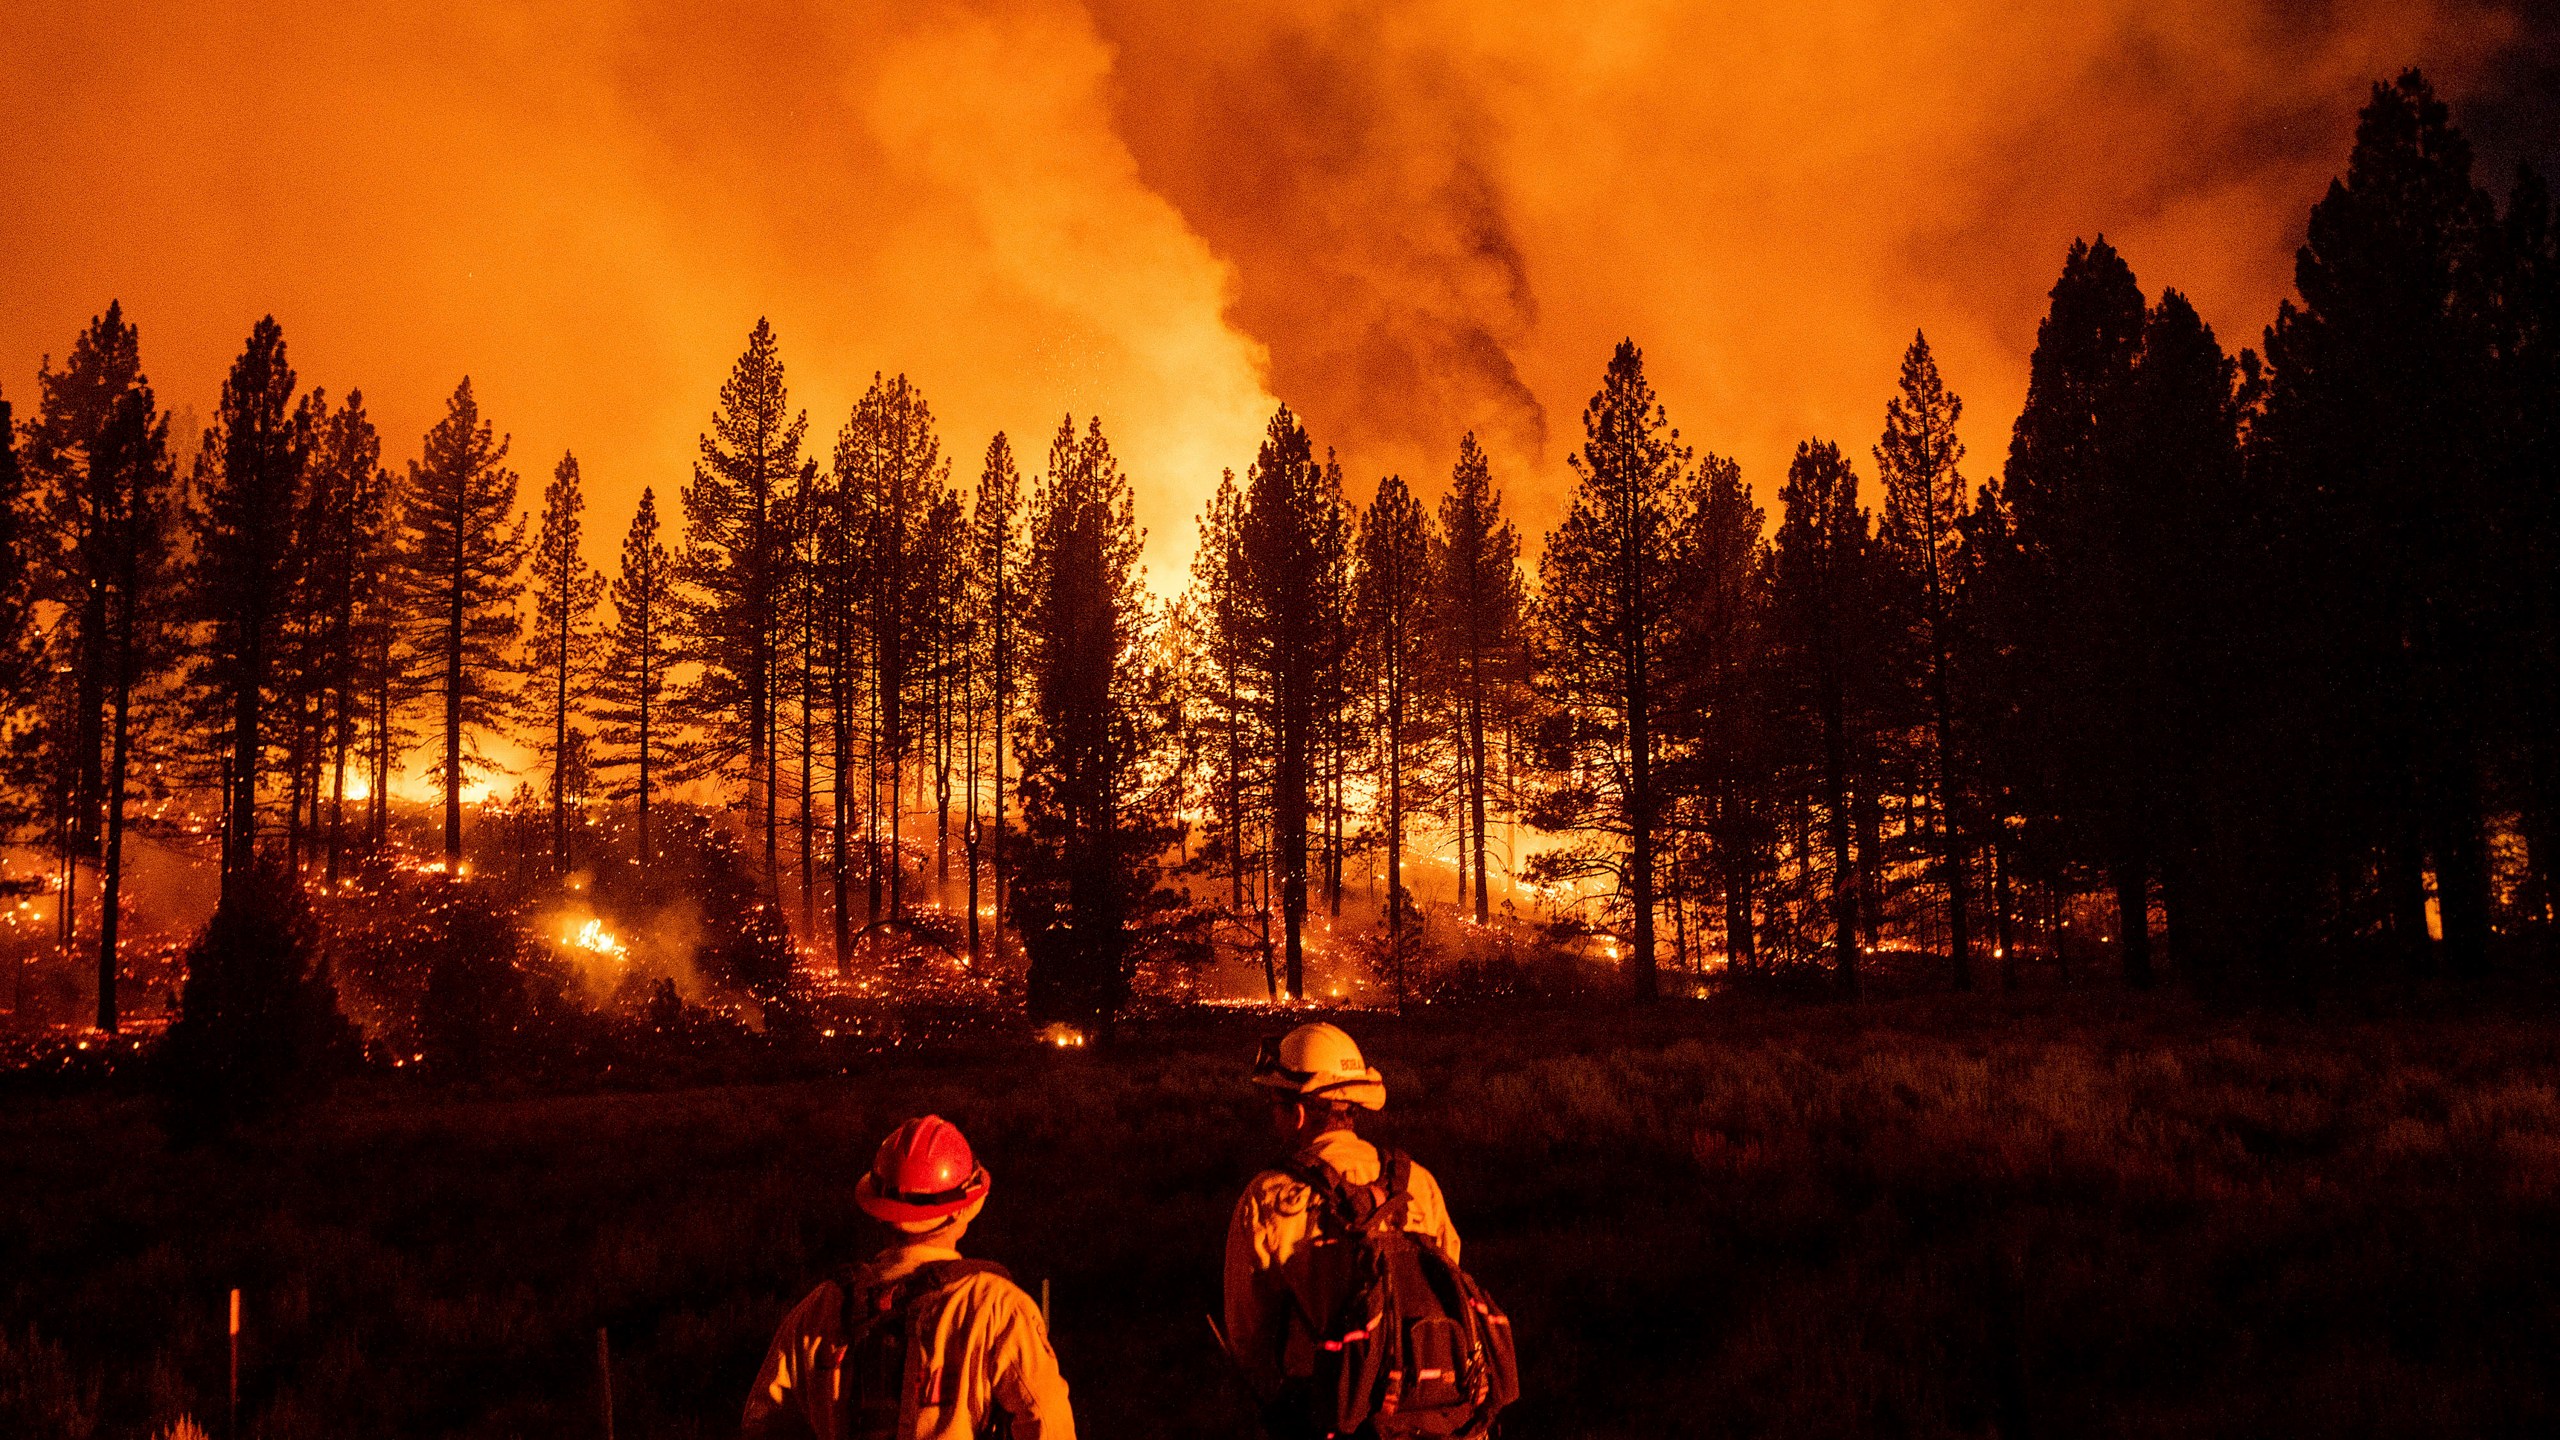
{"x":1274,"y":1227}
{"x":982,"y":1349}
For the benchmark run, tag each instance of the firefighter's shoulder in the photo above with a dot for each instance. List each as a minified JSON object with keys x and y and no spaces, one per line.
{"x":991,"y":1297}
{"x":1277,"y":1192}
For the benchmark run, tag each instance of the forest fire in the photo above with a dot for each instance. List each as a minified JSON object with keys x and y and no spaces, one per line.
{"x":1914,"y":783}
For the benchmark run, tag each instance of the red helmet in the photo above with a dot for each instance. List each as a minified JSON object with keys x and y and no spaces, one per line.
{"x":924,"y":1171}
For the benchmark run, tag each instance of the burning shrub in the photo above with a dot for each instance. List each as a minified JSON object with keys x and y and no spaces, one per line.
{"x":1472,"y":963}
{"x":258,"y":1025}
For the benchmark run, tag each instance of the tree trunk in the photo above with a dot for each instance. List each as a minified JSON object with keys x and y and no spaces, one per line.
{"x":1640,"y":821}
{"x":840,"y":854}
{"x":1474,"y":782}
{"x":1395,"y":831}
{"x":808,"y":834}
{"x":2462,"y":856}
{"x":2004,"y":938}
{"x":111,"y":877}
{"x":1950,"y":833}
{"x":1290,"y":805}
{"x":560,"y":758}
{"x":453,"y":731}
{"x":1844,"y":883}
{"x":240,"y":824}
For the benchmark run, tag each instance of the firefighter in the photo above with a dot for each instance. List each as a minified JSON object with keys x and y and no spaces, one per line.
{"x":917,"y":1343}
{"x":1318,"y":1084}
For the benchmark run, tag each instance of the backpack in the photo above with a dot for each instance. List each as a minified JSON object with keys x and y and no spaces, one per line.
{"x":1406,"y":1343}
{"x":879,"y":1326}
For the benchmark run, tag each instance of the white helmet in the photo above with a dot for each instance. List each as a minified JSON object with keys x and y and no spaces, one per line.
{"x":1320,"y":1061}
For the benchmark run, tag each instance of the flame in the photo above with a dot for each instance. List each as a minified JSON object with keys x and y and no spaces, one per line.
{"x":1062,"y":1036}
{"x":591,"y":935}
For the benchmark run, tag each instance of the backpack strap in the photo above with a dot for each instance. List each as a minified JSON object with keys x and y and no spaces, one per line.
{"x":1341,"y":1201}
{"x":1395,"y":1173}
{"x":860,"y":1307}
{"x":1354,"y":1208}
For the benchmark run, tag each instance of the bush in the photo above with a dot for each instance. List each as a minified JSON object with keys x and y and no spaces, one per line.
{"x":258,"y":1025}
{"x":490,"y":993}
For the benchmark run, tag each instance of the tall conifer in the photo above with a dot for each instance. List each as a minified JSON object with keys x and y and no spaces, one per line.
{"x":1605,"y":617}
{"x":462,"y":553}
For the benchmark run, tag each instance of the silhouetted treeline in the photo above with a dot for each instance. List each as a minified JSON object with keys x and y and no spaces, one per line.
{"x":2260,"y":653}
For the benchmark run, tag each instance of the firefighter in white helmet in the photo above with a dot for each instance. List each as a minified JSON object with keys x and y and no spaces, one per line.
{"x":1318,"y":1084}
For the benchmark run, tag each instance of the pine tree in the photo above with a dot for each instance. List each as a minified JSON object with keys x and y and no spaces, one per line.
{"x":1095,"y":767}
{"x":1478,"y":609}
{"x":2528,"y":416}
{"x":100,"y":447}
{"x":1294,"y":537}
{"x":631,"y":690}
{"x":244,"y":570}
{"x":386,"y":668}
{"x":22,"y":679}
{"x":1918,"y":460}
{"x":891,"y":473}
{"x":2382,"y":524}
{"x":100,"y":452}
{"x":462,"y":550}
{"x":347,"y":530}
{"x":839,"y":588}
{"x":996,"y":540}
{"x":2186,"y":526}
{"x":733,"y":565}
{"x":1822,"y":605}
{"x":1714,"y":702}
{"x":562,"y":658}
{"x":1222,"y":699}
{"x":1392,"y":608}
{"x":944,"y":619}
{"x":2081,"y":528}
{"x":1605,"y":616}
{"x":804,"y":594}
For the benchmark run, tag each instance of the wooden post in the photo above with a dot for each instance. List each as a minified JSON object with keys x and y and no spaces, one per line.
{"x":234,"y":1429}
{"x":1044,"y":1302}
{"x":604,"y":1379}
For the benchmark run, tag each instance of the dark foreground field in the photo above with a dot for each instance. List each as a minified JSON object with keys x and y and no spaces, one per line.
{"x":2093,"y":1217}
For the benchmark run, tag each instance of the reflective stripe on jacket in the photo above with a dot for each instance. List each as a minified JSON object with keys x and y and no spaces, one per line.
{"x":984,"y":1350}
{"x":1272,"y":1226}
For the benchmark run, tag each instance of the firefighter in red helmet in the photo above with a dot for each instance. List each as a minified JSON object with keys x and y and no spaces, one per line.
{"x":917,"y":1343}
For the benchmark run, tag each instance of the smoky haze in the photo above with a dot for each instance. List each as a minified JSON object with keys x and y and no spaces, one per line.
{"x":1408,"y":221}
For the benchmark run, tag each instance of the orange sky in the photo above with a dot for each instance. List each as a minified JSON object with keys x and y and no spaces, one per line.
{"x":1405,"y":220}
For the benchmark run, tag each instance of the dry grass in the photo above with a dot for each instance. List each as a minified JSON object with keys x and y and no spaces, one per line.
{"x":2092,"y":1216}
